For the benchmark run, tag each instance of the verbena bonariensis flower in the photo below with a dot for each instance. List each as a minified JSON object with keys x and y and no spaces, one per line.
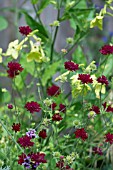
{"x":109,"y":138}
{"x":85,"y":78}
{"x":38,"y":158}
{"x":25,"y":141}
{"x":106,"y":49}
{"x":97,"y":150}
{"x":32,"y":107}
{"x":53,"y":90}
{"x":62,"y":108}
{"x":53,"y":105}
{"x":25,"y":30}
{"x":10,"y":106}
{"x":81,"y":133}
{"x":31,"y":133}
{"x":43,"y":134}
{"x":71,"y":66}
{"x":16,"y":127}
{"x":56,"y":117}
{"x":103,"y":80}
{"x":95,"y":109}
{"x":14,"y":69}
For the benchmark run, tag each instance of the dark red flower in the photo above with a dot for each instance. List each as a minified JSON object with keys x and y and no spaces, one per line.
{"x":25,"y":141}
{"x":62,"y":108}
{"x":81,"y":133}
{"x":56,"y":117}
{"x":60,"y":164}
{"x":97,"y":150}
{"x":14,"y":69}
{"x":109,"y":138}
{"x":85,"y":78}
{"x":53,"y":105}
{"x":71,"y":66}
{"x":32,"y":107}
{"x":16,"y":127}
{"x":95,"y":109}
{"x":10,"y":106}
{"x":108,"y":108}
{"x":42,"y":134}
{"x":21,"y":158}
{"x":103,"y":80}
{"x":38,"y":158}
{"x":106,"y":49}
{"x":25,"y":30}
{"x":53,"y":90}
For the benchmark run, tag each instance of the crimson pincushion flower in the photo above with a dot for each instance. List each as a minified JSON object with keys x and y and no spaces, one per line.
{"x":25,"y":30}
{"x":21,"y":158}
{"x":38,"y":158}
{"x":85,"y":78}
{"x":42,"y":133}
{"x":106,"y":49}
{"x":71,"y":66}
{"x":95,"y":109}
{"x":25,"y":141}
{"x":14,"y":69}
{"x":109,"y":138}
{"x":16,"y":127}
{"x":81,"y":133}
{"x":103,"y":80}
{"x":97,"y":150}
{"x":53,"y":90}
{"x":53,"y":105}
{"x":108,"y":108}
{"x":56,"y":117}
{"x":62,"y":108}
{"x":32,"y":107}
{"x":10,"y":106}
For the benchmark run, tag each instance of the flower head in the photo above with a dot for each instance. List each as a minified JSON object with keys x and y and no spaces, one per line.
{"x":85,"y":78}
{"x":95,"y":109}
{"x":31,"y":133}
{"x":53,"y":105}
{"x":62,"y":108}
{"x":106,"y":49}
{"x":43,"y":134}
{"x":109,"y":138}
{"x":71,"y":66}
{"x":81,"y":133}
{"x":56,"y":117}
{"x":108,"y":108}
{"x":97,"y":150}
{"x":38,"y":158}
{"x":25,"y":30}
{"x":14,"y":69}
{"x":16,"y":127}
{"x":10,"y":106}
{"x":21,"y":158}
{"x":32,"y":107}
{"x":103,"y":80}
{"x":53,"y":90}
{"x":25,"y":141}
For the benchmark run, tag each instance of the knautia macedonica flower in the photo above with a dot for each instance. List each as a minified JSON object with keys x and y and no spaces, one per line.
{"x":62,"y":108}
{"x":103,"y":80}
{"x":16,"y":127}
{"x":97,"y":150}
{"x":53,"y":105}
{"x":85,"y":78}
{"x":95,"y":109}
{"x":14,"y":69}
{"x":108,"y":108}
{"x":38,"y":158}
{"x":56,"y":117}
{"x":43,"y":134}
{"x":25,"y":30}
{"x":31,"y":133}
{"x":109,"y":138}
{"x":81,"y":133}
{"x":71,"y":66}
{"x":21,"y":158}
{"x":106,"y":49}
{"x":10,"y":106}
{"x":25,"y":141}
{"x":53,"y":90}
{"x":32,"y":107}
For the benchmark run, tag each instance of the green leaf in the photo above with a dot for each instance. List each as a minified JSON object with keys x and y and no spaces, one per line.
{"x":34,"y":1}
{"x":3,"y":23}
{"x":49,"y":72}
{"x":43,"y":5}
{"x":42,"y":33}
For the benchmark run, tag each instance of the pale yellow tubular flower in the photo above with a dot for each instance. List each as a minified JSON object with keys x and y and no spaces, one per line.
{"x":0,"y":55}
{"x":90,"y":68}
{"x":99,"y":88}
{"x":63,"y":77}
{"x":32,"y":33}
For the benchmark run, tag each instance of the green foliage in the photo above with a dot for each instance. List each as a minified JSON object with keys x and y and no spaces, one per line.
{"x":3,"y":23}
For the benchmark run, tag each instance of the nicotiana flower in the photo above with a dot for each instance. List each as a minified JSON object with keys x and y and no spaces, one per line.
{"x":106,"y":50}
{"x":25,"y":30}
{"x":71,"y":66}
{"x":53,"y":90}
{"x":56,"y":117}
{"x":81,"y":133}
{"x":43,"y":134}
{"x":31,"y":133}
{"x":97,"y":150}
{"x":25,"y":141}
{"x":16,"y":127}
{"x":32,"y":107}
{"x":63,"y":77}
{"x":14,"y":69}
